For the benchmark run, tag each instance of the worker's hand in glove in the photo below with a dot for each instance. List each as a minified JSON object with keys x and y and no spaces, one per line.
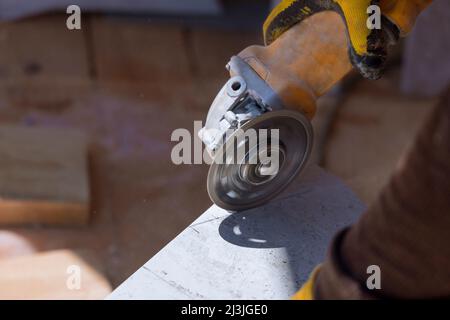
{"x":368,"y":40}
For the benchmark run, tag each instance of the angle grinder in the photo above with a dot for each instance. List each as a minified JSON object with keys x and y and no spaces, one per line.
{"x":271,"y":87}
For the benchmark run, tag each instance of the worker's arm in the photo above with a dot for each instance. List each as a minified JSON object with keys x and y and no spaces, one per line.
{"x":404,"y":233}
{"x":400,"y":246}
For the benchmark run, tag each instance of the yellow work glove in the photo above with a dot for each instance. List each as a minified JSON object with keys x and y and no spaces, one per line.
{"x":307,"y":290}
{"x":368,"y":44}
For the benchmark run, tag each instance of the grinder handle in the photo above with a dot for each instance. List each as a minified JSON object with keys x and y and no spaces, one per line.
{"x":307,"y":59}
{"x":304,"y":62}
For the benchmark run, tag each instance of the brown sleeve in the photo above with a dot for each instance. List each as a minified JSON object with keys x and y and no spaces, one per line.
{"x":406,"y":232}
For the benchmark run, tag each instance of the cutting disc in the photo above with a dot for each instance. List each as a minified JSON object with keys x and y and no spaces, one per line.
{"x":242,"y":184}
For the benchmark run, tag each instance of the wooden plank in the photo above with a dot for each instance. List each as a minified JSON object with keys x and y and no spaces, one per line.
{"x":42,"y":47}
{"x":46,"y":276}
{"x":43,"y":176}
{"x":213,"y":48}
{"x":264,"y":253}
{"x":128,"y":50}
{"x":42,"y":63}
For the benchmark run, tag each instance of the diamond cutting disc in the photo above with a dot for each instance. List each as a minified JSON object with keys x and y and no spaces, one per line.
{"x":239,"y":184}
